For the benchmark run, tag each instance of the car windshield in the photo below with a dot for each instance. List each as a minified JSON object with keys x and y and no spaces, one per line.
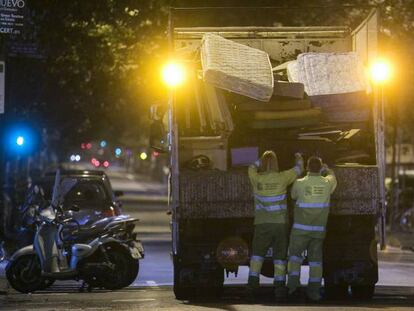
{"x":86,"y":192}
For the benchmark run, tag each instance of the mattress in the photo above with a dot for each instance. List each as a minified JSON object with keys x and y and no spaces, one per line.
{"x":236,"y":67}
{"x":329,"y":73}
{"x":286,"y":115}
{"x":287,"y":123}
{"x":289,"y":89}
{"x":293,"y":71}
{"x":276,"y":105}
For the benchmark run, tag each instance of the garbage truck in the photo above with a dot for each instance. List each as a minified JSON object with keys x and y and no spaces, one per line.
{"x":215,"y":125}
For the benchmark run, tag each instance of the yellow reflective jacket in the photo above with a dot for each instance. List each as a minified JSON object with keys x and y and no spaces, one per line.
{"x":270,"y":193}
{"x":312,"y":194}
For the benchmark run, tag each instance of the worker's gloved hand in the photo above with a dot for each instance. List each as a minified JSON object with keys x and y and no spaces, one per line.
{"x":325,"y":169}
{"x":299,"y":163}
{"x":298,"y":156}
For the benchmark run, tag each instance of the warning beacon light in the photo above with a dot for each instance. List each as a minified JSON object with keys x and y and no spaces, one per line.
{"x":173,"y":74}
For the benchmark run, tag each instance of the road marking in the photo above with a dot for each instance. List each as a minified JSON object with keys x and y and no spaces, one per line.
{"x":50,"y":294}
{"x":134,"y":300}
{"x":390,"y":297}
{"x":151,"y":283}
{"x":47,"y":303}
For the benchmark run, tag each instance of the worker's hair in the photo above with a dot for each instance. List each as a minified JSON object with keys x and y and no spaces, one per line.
{"x":314,"y":164}
{"x":268,"y":162}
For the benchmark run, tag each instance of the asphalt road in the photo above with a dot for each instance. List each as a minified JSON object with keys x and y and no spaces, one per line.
{"x":153,"y":287}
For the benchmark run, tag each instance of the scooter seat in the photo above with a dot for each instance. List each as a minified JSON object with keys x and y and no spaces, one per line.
{"x":88,"y":231}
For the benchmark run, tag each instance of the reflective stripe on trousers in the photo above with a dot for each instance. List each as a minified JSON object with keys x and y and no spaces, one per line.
{"x":315,"y":272}
{"x":280,"y":270}
{"x":309,"y":228}
{"x":312,"y":205}
{"x":255,"y":265}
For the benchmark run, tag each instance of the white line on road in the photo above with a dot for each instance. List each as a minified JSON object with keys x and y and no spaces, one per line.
{"x":134,"y":300}
{"x":46,"y":303}
{"x":51,"y":294}
{"x":390,"y":297}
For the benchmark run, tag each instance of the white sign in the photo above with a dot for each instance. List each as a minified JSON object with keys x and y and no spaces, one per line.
{"x":2,"y":85}
{"x":12,"y":16}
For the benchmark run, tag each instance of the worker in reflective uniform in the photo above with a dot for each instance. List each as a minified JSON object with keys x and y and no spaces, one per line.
{"x":312,"y":194}
{"x":269,"y":186}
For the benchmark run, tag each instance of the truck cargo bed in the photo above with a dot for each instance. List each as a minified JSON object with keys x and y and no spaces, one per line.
{"x":218,"y":194}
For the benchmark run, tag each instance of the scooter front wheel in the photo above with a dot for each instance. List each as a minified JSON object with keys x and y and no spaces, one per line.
{"x":24,"y":274}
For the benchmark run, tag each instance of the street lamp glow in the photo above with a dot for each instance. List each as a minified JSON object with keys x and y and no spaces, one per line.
{"x":380,"y":71}
{"x":20,"y":141}
{"x":173,"y":74}
{"x":143,"y":156}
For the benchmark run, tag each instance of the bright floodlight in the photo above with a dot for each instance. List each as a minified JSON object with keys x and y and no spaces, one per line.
{"x":380,"y":71}
{"x":173,"y":74}
{"x":20,"y":141}
{"x":143,"y":156}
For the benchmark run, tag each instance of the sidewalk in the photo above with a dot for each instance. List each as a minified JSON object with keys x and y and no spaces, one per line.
{"x":399,"y":239}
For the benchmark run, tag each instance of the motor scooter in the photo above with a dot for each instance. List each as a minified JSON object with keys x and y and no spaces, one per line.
{"x":104,"y":255}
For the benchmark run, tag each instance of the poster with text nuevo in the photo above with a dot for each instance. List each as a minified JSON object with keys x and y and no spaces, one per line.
{"x":12,"y":16}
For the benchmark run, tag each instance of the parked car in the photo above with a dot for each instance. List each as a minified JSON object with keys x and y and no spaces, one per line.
{"x":92,"y":194}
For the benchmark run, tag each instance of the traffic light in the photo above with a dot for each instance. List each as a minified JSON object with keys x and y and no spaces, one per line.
{"x":20,"y":141}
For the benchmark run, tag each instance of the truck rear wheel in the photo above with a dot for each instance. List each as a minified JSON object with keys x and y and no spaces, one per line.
{"x":193,"y":282}
{"x":212,"y":285}
{"x":363,"y":292}
{"x":184,"y":287}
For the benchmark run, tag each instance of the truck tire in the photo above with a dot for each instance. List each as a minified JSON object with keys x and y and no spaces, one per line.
{"x":183,"y":289}
{"x":214,"y":286}
{"x":363,"y":292}
{"x":336,"y":291}
{"x":192,"y":282}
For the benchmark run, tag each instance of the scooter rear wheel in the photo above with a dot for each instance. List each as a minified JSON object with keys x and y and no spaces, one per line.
{"x":24,"y":274}
{"x":125,"y":268}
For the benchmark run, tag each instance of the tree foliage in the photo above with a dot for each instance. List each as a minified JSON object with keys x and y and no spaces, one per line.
{"x":99,"y":54}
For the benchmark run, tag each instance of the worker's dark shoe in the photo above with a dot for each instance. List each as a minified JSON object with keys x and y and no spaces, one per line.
{"x":313,"y":295}
{"x":295,"y":296}
{"x":313,"y":299}
{"x":281,"y":294}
